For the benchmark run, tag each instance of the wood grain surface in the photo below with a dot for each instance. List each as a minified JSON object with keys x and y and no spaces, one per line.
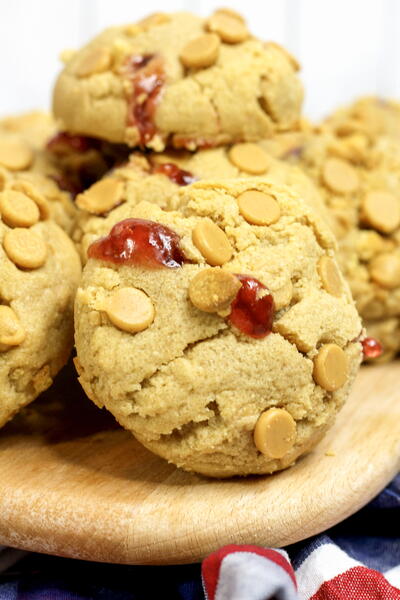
{"x":74,"y":484}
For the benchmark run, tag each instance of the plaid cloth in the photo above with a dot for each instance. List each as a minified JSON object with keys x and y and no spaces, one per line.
{"x":356,"y":560}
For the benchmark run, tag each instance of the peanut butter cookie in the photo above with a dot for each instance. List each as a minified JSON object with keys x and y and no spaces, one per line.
{"x":359,"y":180}
{"x":158,"y":177}
{"x":222,"y":335}
{"x":179,"y":80}
{"x":39,"y":274}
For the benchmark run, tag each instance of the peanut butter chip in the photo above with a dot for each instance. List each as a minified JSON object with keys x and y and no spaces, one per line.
{"x":11,"y":332}
{"x":330,"y":276}
{"x":102,"y":196}
{"x":381,"y":210}
{"x":258,"y":208}
{"x":96,"y":60}
{"x":201,"y":52}
{"x":231,"y":13}
{"x":385,"y":270}
{"x":229,"y":28}
{"x":15,"y":154}
{"x":18,"y":210}
{"x":213,"y":290}
{"x":25,"y":248}
{"x":130,"y":309}
{"x":275,"y":433}
{"x":212,"y":242}
{"x":330,"y":367}
{"x":249,"y":158}
{"x":29,"y":190}
{"x":339,"y":176}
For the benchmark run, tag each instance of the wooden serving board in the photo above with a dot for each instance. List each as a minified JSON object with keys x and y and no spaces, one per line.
{"x":72,"y":483}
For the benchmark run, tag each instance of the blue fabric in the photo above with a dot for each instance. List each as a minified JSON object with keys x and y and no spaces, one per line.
{"x":372,"y":536}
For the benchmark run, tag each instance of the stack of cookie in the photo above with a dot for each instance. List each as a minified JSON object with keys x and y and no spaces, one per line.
{"x":212,"y":319}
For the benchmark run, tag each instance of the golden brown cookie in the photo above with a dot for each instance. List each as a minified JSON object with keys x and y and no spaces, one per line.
{"x":39,"y":274}
{"x":157,"y":178}
{"x":369,"y":116}
{"x":359,"y":180}
{"x":179,"y":80}
{"x":25,"y":164}
{"x":222,"y":345}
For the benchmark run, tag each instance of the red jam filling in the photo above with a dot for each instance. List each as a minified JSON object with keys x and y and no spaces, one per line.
{"x":174,"y":173}
{"x":371,"y":348}
{"x":66,"y":184}
{"x":148,"y":78}
{"x":63,"y":143}
{"x":251,"y":312}
{"x":140,"y":242}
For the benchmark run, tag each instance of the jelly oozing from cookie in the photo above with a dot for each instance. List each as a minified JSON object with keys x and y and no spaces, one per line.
{"x":140,"y":242}
{"x":253,"y":309}
{"x":372,"y":348}
{"x":174,"y":173}
{"x":148,"y":77}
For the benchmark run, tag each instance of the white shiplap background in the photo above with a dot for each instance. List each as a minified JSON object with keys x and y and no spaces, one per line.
{"x":347,"y":47}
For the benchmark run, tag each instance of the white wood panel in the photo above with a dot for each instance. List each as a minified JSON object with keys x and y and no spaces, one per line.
{"x":339,"y":48}
{"x":32,"y":34}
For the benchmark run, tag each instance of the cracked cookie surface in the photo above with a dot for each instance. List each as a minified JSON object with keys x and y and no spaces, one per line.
{"x":39,"y":274}
{"x":157,"y":178}
{"x":359,"y":179}
{"x":181,"y":81}
{"x":219,"y":386}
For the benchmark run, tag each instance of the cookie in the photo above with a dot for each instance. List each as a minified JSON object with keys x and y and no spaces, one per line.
{"x":25,"y":162}
{"x":81,"y":161}
{"x":39,"y":274}
{"x":369,"y":116}
{"x":158,"y":177}
{"x":359,"y":179}
{"x":222,"y":335}
{"x":179,"y":80}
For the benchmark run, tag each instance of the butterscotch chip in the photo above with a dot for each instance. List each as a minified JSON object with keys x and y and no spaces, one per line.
{"x":381,"y":210}
{"x":212,"y":242}
{"x":25,"y":248}
{"x":339,"y":176}
{"x":130,"y":309}
{"x":15,"y":154}
{"x":97,"y":60}
{"x":330,"y":276}
{"x":230,"y":29}
{"x":101,"y":197}
{"x":275,"y":432}
{"x":153,"y":20}
{"x":11,"y":331}
{"x":258,"y":208}
{"x":249,"y":158}
{"x":201,"y":52}
{"x":213,"y":290}
{"x":384,"y":269}
{"x":330,"y":367}
{"x":231,"y":13}
{"x":29,"y":190}
{"x":18,"y":210}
